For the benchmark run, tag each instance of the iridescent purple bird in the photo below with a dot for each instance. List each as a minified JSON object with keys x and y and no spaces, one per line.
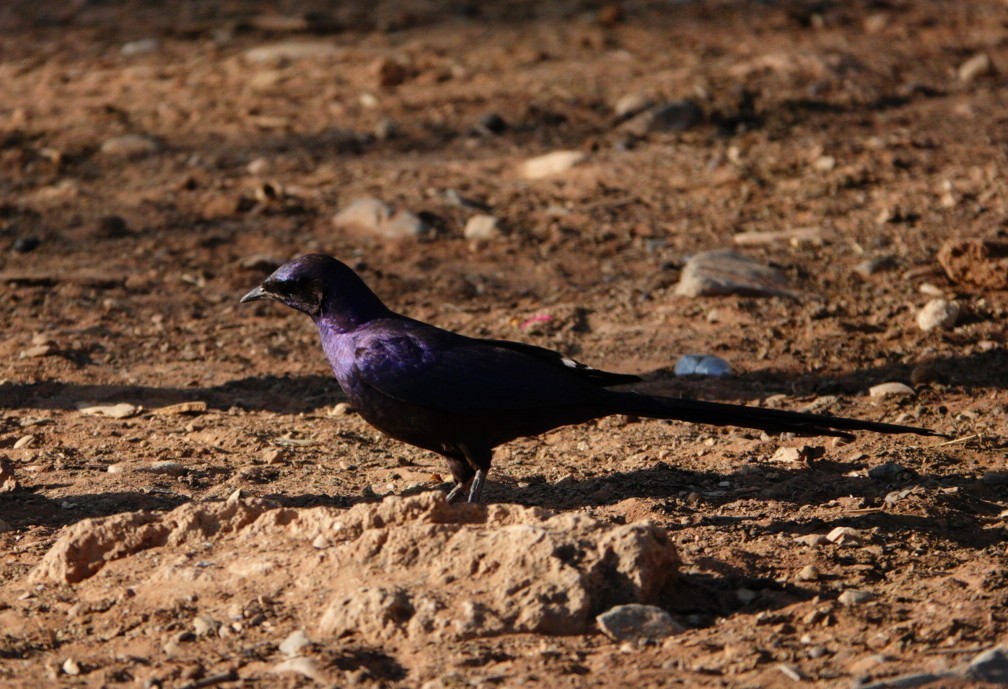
{"x":461,"y":397}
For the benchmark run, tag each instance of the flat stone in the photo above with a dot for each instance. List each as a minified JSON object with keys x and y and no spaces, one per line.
{"x":290,"y":50}
{"x":194,"y":407}
{"x":375,"y":216}
{"x":37,"y":351}
{"x":795,"y":237}
{"x":891,"y":389}
{"x":123,"y":410}
{"x":852,"y":597}
{"x":636,"y":622}
{"x":550,"y":164}
{"x":889,"y":471}
{"x":723,"y":272}
{"x":165,"y":466}
{"x":844,"y":534}
{"x":130,"y":146}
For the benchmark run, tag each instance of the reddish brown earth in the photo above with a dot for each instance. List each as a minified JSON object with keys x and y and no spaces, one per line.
{"x":869,"y":122}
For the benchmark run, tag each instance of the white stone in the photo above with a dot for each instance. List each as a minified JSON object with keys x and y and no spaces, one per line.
{"x":551,"y":164}
{"x":714,"y":273}
{"x":290,"y":50}
{"x":891,"y":389}
{"x":939,"y":313}
{"x":482,"y":228}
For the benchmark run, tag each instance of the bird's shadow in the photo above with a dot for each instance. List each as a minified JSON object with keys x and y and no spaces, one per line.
{"x":950,"y":507}
{"x":279,"y":394}
{"x":290,"y":394}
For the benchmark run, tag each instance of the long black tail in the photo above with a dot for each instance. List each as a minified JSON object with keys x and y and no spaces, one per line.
{"x":769,"y":420}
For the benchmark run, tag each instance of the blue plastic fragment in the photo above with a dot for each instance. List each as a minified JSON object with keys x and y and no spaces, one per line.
{"x":702,"y":365}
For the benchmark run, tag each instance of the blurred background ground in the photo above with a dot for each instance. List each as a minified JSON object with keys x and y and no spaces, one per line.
{"x":158,"y":160}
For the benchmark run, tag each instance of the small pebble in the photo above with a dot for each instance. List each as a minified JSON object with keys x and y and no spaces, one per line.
{"x":24,"y":441}
{"x":385,"y":129}
{"x":844,"y":534}
{"x":550,"y":164}
{"x":889,"y":471}
{"x":144,"y":45}
{"x":853,"y":597}
{"x":939,"y":313}
{"x":112,"y":227}
{"x":123,"y":410}
{"x":37,"y":351}
{"x":482,"y":228}
{"x":341,"y":409}
{"x":891,"y":389}
{"x":976,"y":66}
{"x":492,"y":124}
{"x":130,"y":146}
{"x":390,"y":72}
{"x":71,"y":667}
{"x":872,"y":266}
{"x":290,"y":50}
{"x":203,"y":625}
{"x":166,"y":466}
{"x":632,"y":104}
{"x":808,"y":573}
{"x":295,"y":641}
{"x":636,"y":622}
{"x":24,"y":245}
{"x":721,"y":272}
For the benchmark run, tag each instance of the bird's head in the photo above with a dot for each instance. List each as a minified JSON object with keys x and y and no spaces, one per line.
{"x":322,"y":287}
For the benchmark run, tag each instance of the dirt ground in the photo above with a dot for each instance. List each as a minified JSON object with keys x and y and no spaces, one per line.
{"x":879,"y":125}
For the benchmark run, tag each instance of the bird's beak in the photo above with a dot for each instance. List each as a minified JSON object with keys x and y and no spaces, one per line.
{"x":255,"y":295}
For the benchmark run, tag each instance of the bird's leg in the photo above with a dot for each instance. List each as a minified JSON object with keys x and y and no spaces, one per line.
{"x":462,"y":471}
{"x":477,"y":486}
{"x":478,"y":457}
{"x":456,"y":491}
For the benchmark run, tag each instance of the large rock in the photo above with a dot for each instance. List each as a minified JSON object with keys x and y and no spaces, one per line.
{"x":721,"y":272}
{"x":87,"y":546}
{"x":405,"y":568}
{"x":374,"y":216}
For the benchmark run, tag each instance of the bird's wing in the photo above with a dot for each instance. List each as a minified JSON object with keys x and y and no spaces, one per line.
{"x":600,"y":378}
{"x":435,"y":369}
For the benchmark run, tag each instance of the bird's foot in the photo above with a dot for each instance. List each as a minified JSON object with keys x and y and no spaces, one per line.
{"x":455,"y":493}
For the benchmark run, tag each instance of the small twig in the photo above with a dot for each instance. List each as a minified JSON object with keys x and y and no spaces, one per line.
{"x":229,"y":676}
{"x":957,"y":440}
